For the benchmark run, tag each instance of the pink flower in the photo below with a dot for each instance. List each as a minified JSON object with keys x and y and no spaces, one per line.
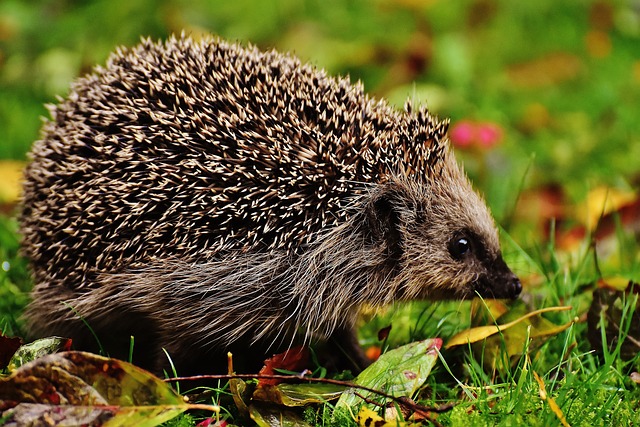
{"x":211,"y":422}
{"x":489,"y":134}
{"x":463,"y":134}
{"x":483,"y":135}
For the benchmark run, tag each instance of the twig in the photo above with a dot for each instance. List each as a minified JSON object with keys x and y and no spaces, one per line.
{"x":416,"y":407}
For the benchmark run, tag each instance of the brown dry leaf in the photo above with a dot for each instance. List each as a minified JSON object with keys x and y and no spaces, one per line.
{"x":571,"y":239}
{"x":33,"y":414}
{"x":603,"y":212}
{"x":626,"y":215}
{"x":610,"y":309}
{"x":601,"y":15}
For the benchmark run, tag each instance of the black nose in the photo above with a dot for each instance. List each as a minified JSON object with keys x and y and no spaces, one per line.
{"x":499,"y":288}
{"x":514,"y":288}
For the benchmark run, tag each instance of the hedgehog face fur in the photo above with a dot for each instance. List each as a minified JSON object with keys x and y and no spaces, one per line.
{"x":205,"y":196}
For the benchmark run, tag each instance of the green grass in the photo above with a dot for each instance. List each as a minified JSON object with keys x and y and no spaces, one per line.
{"x":591,"y":385}
{"x":14,"y":280}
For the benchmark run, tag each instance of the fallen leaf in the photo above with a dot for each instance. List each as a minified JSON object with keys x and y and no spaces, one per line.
{"x":73,"y":386}
{"x":598,"y":44}
{"x":270,"y":416}
{"x":36,"y":349}
{"x":618,"y":312}
{"x":487,"y":311}
{"x":295,"y":359}
{"x":601,"y":201}
{"x":10,"y":179}
{"x":550,"y":401}
{"x":299,"y":394}
{"x":383,"y":333}
{"x":481,"y":332}
{"x":543,"y":205}
{"x":399,"y":372}
{"x":625,"y":217}
{"x":35,"y":413}
{"x":367,"y":417}
{"x":615,"y":284}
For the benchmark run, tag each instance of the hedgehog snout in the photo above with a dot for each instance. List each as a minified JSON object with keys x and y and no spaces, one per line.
{"x":502,"y":284}
{"x":514,"y":287}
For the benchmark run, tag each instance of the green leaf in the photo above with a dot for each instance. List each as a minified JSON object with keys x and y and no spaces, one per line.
{"x":32,"y":351}
{"x":299,"y":394}
{"x":271,"y":416}
{"x":399,"y":372}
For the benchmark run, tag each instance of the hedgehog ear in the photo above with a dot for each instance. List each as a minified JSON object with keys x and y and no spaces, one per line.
{"x":383,"y":223}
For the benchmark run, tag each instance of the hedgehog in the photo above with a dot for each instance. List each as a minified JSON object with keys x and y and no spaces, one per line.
{"x":203,"y":196}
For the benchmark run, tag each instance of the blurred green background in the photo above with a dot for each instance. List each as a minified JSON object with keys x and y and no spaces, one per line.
{"x":560,"y":79}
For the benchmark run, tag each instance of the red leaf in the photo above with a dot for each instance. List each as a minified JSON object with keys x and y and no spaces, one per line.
{"x":295,"y":359}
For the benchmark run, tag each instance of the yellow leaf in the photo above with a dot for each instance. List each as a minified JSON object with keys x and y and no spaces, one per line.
{"x":550,"y":401}
{"x":368,"y":417}
{"x":550,"y":330}
{"x":481,"y":332}
{"x":600,"y":201}
{"x":617,"y":283}
{"x":10,"y":180}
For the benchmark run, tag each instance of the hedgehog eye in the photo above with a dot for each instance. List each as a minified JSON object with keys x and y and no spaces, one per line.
{"x":459,"y":247}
